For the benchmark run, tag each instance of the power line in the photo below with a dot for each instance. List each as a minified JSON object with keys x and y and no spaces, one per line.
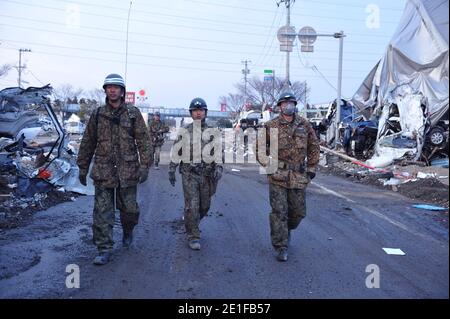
{"x":269,"y":34}
{"x":153,"y":13}
{"x":142,"y":21}
{"x":264,"y":10}
{"x":163,"y":45}
{"x":156,"y":35}
{"x":273,"y":39}
{"x":141,"y":63}
{"x":34,"y":76}
{"x":135,"y":33}
{"x":131,"y":54}
{"x":348,"y":5}
{"x":314,"y":68}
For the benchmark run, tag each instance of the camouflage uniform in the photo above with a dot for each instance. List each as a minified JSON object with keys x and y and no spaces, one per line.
{"x":297,"y":145}
{"x":157,"y":130}
{"x":119,"y":142}
{"x":199,"y":185}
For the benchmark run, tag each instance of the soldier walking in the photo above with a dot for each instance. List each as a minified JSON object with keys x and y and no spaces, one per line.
{"x":117,"y":138}
{"x":298,"y":156}
{"x":157,"y":129}
{"x":200,"y":178}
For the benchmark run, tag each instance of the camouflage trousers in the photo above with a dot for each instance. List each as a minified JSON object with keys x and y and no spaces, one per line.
{"x":156,"y":154}
{"x":102,"y":227}
{"x":288,"y":209}
{"x":197,"y":200}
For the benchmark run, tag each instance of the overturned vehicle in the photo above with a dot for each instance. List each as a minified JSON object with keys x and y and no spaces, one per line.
{"x":35,"y":154}
{"x":407,"y":92}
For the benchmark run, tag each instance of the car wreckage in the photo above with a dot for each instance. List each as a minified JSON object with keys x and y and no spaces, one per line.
{"x":37,"y":162}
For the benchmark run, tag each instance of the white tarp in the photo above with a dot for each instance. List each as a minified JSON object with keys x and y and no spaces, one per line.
{"x":412,"y":73}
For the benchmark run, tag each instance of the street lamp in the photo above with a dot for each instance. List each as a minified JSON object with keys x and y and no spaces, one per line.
{"x":307,"y":37}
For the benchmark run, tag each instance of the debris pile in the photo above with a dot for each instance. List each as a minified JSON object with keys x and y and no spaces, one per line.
{"x":37,"y":159}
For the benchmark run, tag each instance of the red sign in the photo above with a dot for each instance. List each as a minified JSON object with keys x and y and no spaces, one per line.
{"x":141,"y":92}
{"x":130,"y":97}
{"x":223,"y":107}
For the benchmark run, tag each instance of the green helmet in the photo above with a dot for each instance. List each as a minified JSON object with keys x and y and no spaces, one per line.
{"x":287,"y":97}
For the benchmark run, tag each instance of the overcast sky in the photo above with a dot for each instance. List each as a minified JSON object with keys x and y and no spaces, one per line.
{"x":180,"y":49}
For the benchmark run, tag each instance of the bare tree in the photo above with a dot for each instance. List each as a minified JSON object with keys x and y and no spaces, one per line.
{"x":234,"y":102}
{"x":97,"y":95}
{"x":4,"y":69}
{"x":261,"y":94}
{"x":63,"y":94}
{"x":67,"y":91}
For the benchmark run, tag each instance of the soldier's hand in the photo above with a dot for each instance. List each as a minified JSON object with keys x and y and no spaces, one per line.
{"x":218,"y":173}
{"x":311,"y":175}
{"x":83,"y":179}
{"x":172,"y":179}
{"x":143,"y":174}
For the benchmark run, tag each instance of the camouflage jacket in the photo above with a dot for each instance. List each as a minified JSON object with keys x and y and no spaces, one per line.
{"x":157,"y":130}
{"x":119,"y":142}
{"x":298,"y":152}
{"x":194,"y":165}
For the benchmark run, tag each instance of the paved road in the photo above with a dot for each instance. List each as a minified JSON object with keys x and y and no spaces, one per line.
{"x":345,"y":230}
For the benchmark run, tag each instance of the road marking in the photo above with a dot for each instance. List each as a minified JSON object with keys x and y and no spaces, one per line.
{"x":373,"y":212}
{"x":333,"y":192}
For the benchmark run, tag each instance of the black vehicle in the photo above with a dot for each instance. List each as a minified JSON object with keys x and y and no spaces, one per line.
{"x":437,"y":140}
{"x":359,"y":138}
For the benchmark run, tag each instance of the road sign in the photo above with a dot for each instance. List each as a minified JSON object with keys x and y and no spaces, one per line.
{"x":307,"y":36}
{"x":268,"y":72}
{"x":286,"y":36}
{"x":130,"y":97}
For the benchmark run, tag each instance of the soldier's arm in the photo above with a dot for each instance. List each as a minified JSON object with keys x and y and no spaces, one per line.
{"x":173,"y":165}
{"x":142,"y":141}
{"x":88,"y":145}
{"x":266,"y":141}
{"x":313,"y":149}
{"x":165,"y":128}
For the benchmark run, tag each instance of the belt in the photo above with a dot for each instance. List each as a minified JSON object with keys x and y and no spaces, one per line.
{"x":300,"y":167}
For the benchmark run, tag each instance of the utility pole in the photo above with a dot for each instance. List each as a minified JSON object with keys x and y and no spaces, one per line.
{"x":20,"y":67}
{"x":288,"y":4}
{"x":340,"y":36}
{"x":308,"y":36}
{"x":245,"y":71}
{"x":126,"y":48}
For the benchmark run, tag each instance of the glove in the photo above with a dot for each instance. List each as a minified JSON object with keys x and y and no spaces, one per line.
{"x":82,"y":178}
{"x":311,"y":175}
{"x":172,"y":179}
{"x":143,"y":174}
{"x":218,"y":173}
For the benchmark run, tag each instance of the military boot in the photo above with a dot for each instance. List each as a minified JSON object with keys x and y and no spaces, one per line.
{"x":102,"y":258}
{"x":194,"y":244}
{"x":127,"y":239}
{"x":282,"y":254}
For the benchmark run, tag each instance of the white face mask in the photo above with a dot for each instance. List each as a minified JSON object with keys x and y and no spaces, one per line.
{"x":289,"y":109}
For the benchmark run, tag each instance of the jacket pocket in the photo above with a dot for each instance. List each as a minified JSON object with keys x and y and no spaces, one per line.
{"x":280,"y":176}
